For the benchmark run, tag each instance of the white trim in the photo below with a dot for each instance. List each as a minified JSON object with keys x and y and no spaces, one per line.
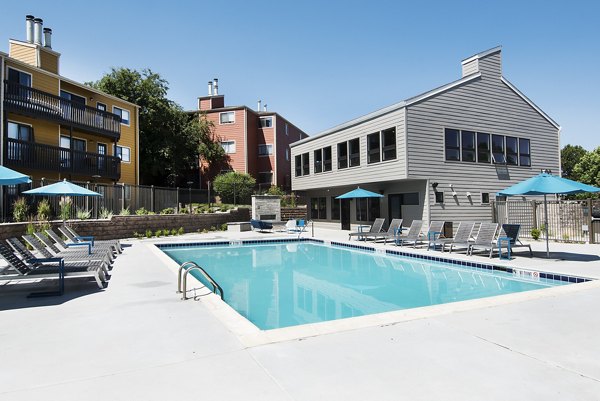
{"x":536,"y":108}
{"x":122,"y":147}
{"x":389,"y":109}
{"x":128,"y":112}
{"x":33,"y":45}
{"x":229,"y":122}
{"x":481,"y":55}
{"x":481,"y":198}
{"x":221,"y":141}
{"x":266,"y":145}
{"x":24,"y":72}
{"x":260,"y":119}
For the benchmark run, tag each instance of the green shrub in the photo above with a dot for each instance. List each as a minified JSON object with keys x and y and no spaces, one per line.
{"x":149,"y":233}
{"x":275,"y":190}
{"x":83,"y":214}
{"x":65,"y":205}
{"x":125,"y":212}
{"x":224,"y":227}
{"x":141,"y":211}
{"x":204,"y":231}
{"x":173,"y":232}
{"x":213,"y":228}
{"x":535,"y":233}
{"x":158,"y":233}
{"x":168,"y":210}
{"x":234,"y":187}
{"x":20,"y":209}
{"x":224,"y":208}
{"x":166,"y":231}
{"x":184,"y":210}
{"x":105,"y":213}
{"x":181,"y":231}
{"x":43,"y":210}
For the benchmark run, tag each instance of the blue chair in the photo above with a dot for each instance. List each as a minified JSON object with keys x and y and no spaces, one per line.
{"x":261,"y":225}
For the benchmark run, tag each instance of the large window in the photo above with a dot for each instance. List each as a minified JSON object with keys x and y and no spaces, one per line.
{"x":512,"y":151}
{"x":19,"y":77}
{"x":468,"y":146}
{"x":72,"y":97}
{"x":298,"y":163}
{"x":354,"y":150}
{"x":123,"y":153}
{"x":305,"y":164}
{"x":265,"y":150}
{"x":124,"y":114}
{"x":318,"y":160}
{"x":266,"y":122}
{"x":227,"y":117}
{"x":327,"y":158}
{"x":388,"y":140}
{"x":373,"y":148}
{"x":342,"y":153}
{"x":524,"y":152}
{"x":265,"y":177}
{"x":483,"y":148}
{"x":498,"y":149}
{"x":452,"y":141}
{"x":318,"y":208}
{"x":367,"y":209}
{"x":228,"y":146}
{"x":21,"y":132}
{"x":335,"y":208}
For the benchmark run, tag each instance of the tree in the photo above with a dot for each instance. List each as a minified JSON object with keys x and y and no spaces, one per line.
{"x":588,"y":168}
{"x":170,"y":140}
{"x":234,"y":187}
{"x":570,"y":155}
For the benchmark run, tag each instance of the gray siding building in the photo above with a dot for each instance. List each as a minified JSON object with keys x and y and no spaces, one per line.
{"x":442,"y":155}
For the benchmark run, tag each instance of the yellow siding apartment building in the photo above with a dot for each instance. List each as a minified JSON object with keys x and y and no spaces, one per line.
{"x":56,"y":128}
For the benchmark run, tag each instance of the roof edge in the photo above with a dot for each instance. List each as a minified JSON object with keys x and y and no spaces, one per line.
{"x":482,"y":54}
{"x":535,"y":107}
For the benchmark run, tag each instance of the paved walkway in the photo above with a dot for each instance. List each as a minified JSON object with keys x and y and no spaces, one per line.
{"x":137,"y":340}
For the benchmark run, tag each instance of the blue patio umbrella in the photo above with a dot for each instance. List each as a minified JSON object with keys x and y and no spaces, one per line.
{"x":62,"y":188}
{"x":12,"y":177}
{"x":547,"y":184}
{"x":359,"y":193}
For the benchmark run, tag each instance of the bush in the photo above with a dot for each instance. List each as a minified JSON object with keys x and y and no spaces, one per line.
{"x":105,"y":213}
{"x":173,"y":232}
{"x":213,"y":228}
{"x":149,"y":233}
{"x":234,"y":187}
{"x":65,"y":205}
{"x":83,"y":214}
{"x":181,"y":231}
{"x":124,"y":212}
{"x":168,"y":210}
{"x":44,"y":210}
{"x":166,"y":231}
{"x":158,"y":233}
{"x":224,"y":227}
{"x":184,"y":210}
{"x":20,"y":209}
{"x":224,"y":208}
{"x":275,"y":190}
{"x":535,"y":233}
{"x":141,"y":211}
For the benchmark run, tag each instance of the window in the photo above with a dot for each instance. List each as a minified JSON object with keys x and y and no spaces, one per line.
{"x":265,"y":177}
{"x":342,"y":153}
{"x":305,"y":164}
{"x":265,"y":150}
{"x":123,"y":153}
{"x":485,"y":198}
{"x":298,"y":162}
{"x":327,"y":158}
{"x":287,"y":155}
{"x":318,"y":160}
{"x":266,"y":122}
{"x":483,"y":148}
{"x":227,"y":117}
{"x":72,"y":143}
{"x":388,"y":139}
{"x":367,"y":209}
{"x":101,"y":106}
{"x":19,"y":132}
{"x":512,"y":152}
{"x":468,"y":146}
{"x":102,"y":152}
{"x":439,"y":197}
{"x":335,"y":208}
{"x":72,"y":97}
{"x":318,"y":208}
{"x":354,"y":150}
{"x":452,"y":142}
{"x":124,"y":114}
{"x":286,"y":129}
{"x":19,"y":77}
{"x":524,"y":152}
{"x":373,"y":150}
{"x":228,"y":146}
{"x":498,"y":149}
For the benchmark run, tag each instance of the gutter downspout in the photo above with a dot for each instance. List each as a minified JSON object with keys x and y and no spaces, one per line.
{"x":559,"y":157}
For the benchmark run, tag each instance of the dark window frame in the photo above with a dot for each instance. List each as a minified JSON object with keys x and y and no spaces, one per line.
{"x":318,"y":161}
{"x":439,"y":197}
{"x":498,"y":156}
{"x":374,"y":149}
{"x":468,"y":150}
{"x":354,"y":157}
{"x":523,"y":155}
{"x":306,"y":163}
{"x":342,"y":159}
{"x":327,"y":156}
{"x":511,"y":155}
{"x":388,"y":150}
{"x":298,"y":165}
{"x":452,"y":149}
{"x":488,"y":150}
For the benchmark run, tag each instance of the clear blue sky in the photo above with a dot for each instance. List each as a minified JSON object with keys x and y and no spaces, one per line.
{"x":322,"y":63}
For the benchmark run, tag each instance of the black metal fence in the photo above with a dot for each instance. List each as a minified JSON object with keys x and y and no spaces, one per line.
{"x":568,"y":220}
{"x":116,"y":198}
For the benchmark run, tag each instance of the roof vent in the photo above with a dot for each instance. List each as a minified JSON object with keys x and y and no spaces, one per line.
{"x":48,"y":38}
{"x":37,"y":30}
{"x":29,"y":28}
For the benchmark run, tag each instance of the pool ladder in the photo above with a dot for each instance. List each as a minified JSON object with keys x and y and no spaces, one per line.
{"x":182,"y":279}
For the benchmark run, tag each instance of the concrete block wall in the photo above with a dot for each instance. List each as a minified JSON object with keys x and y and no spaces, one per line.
{"x":293,"y":213}
{"x":124,"y":226}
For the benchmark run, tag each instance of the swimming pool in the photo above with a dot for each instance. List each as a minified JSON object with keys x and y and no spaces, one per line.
{"x":282,"y":284}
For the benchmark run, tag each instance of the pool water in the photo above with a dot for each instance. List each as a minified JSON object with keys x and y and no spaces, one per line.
{"x":287,"y":284}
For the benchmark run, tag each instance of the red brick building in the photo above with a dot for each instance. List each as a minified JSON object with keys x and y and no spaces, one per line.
{"x":257,"y":142}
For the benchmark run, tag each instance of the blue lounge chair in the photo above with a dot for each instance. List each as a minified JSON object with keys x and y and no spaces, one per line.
{"x":261,"y":225}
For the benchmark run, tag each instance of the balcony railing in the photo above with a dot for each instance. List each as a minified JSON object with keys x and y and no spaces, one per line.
{"x":38,"y":104}
{"x":53,"y":158}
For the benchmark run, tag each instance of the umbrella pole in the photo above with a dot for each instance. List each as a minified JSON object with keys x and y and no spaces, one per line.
{"x":546,"y":225}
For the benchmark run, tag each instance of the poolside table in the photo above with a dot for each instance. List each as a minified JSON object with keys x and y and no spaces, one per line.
{"x":500,"y":241}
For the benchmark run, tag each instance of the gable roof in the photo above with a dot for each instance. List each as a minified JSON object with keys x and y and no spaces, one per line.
{"x":533,"y":105}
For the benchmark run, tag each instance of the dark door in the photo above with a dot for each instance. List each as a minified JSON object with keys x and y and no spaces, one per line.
{"x":345,"y":213}
{"x":394,"y":206}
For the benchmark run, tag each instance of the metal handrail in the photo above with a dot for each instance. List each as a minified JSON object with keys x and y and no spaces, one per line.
{"x":182,"y":284}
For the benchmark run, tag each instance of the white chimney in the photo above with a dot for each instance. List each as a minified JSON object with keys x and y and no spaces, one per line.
{"x":37,"y":30}
{"x":210,"y":90}
{"x":48,"y":38}
{"x":259,"y":102}
{"x":29,"y":28}
{"x":216,"y":87}
{"x":265,"y":107}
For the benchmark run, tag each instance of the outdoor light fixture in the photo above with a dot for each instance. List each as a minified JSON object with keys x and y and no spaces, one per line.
{"x":434,"y":185}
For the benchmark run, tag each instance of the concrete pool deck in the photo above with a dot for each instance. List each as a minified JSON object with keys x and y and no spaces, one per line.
{"x":137,"y":340}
